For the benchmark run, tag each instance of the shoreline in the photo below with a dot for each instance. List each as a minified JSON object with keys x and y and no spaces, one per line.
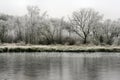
{"x":58,"y":48}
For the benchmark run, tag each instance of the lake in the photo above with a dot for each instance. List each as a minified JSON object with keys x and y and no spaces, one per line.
{"x":60,"y":66}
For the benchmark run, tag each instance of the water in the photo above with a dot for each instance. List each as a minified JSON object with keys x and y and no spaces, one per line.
{"x":62,"y":66}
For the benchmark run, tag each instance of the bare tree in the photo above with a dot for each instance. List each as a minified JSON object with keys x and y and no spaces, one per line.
{"x":34,"y":22}
{"x":97,"y":34}
{"x":51,"y":30}
{"x":4,"y":20}
{"x":59,"y":25}
{"x":38,"y":28}
{"x":3,"y":31}
{"x":111,"y":29}
{"x":83,"y":21}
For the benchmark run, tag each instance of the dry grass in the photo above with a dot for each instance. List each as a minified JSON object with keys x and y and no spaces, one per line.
{"x":57,"y":48}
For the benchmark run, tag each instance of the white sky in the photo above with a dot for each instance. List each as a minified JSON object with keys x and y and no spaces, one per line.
{"x":59,"y":8}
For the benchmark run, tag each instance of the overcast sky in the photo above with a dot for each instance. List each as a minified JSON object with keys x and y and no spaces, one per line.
{"x":59,"y":8}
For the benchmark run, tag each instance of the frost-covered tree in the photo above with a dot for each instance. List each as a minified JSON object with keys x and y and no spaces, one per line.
{"x":82,"y":22}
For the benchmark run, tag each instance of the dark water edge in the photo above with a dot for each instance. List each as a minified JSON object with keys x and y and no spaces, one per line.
{"x":38,"y":49}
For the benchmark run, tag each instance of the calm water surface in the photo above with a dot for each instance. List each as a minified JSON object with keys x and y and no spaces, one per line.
{"x":62,"y":66}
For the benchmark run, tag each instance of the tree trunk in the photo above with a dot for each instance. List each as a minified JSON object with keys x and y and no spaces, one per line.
{"x":85,"y":40}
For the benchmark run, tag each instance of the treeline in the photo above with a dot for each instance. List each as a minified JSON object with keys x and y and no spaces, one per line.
{"x":85,"y":26}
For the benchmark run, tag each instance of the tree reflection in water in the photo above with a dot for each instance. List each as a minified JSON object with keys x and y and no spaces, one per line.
{"x":35,"y":66}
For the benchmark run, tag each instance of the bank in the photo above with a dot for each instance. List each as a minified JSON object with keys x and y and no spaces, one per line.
{"x":58,"y":48}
